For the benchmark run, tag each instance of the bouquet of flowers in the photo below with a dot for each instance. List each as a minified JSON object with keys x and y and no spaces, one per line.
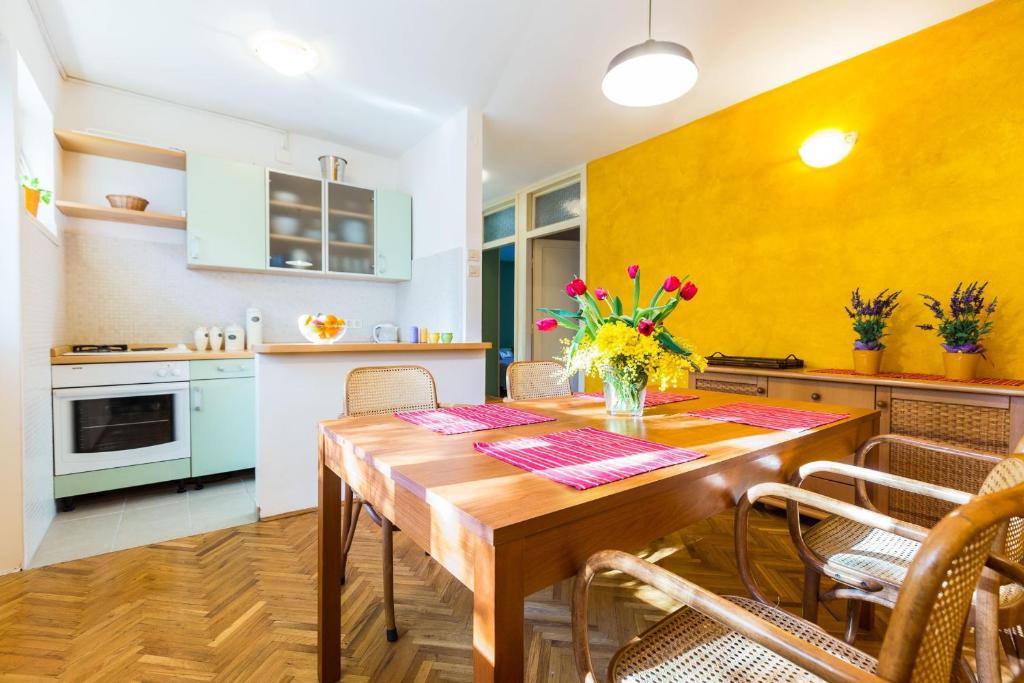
{"x":870,"y":318}
{"x":966,"y":323}
{"x":626,"y":351}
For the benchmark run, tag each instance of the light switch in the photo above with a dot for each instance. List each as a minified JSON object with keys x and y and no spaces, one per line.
{"x":474,"y":270}
{"x":473,"y":255}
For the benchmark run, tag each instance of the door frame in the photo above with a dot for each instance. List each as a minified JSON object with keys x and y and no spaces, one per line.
{"x":523,"y":201}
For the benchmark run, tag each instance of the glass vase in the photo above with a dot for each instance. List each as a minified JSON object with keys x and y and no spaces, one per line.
{"x":623,"y":397}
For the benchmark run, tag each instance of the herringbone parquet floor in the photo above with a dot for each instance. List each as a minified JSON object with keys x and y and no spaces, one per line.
{"x":240,"y":605}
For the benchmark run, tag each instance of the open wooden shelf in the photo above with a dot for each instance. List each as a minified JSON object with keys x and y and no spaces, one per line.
{"x":84,"y":143}
{"x":107,"y":213}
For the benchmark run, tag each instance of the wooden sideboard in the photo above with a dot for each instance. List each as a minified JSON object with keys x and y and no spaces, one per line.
{"x":980,"y":416}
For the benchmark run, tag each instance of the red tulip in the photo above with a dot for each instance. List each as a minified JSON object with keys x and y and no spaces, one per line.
{"x":576,"y":288}
{"x":633,"y":270}
{"x":601,"y":293}
{"x":688,"y":291}
{"x":672,"y":283}
{"x":645,"y":327}
{"x":546,"y":324}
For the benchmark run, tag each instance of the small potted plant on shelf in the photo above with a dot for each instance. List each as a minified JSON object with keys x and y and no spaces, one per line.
{"x":962,"y":328}
{"x":626,"y":351}
{"x":33,"y":194}
{"x":870,"y":318}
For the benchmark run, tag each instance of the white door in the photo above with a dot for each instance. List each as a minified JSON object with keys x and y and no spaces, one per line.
{"x":555,"y":262}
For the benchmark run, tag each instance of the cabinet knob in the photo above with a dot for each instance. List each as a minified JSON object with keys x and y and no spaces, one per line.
{"x":882,"y":404}
{"x":760,"y":390}
{"x":815,"y":396}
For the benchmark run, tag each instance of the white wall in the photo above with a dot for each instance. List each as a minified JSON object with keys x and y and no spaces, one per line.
{"x":443,"y":174}
{"x":129,"y":283}
{"x":31,"y":308}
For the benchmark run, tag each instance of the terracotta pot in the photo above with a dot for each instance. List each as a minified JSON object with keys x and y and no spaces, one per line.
{"x":962,"y":366}
{"x":867,"y":362}
{"x":31,"y":200}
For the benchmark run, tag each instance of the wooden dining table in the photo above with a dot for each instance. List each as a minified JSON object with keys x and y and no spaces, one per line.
{"x":505,"y":533}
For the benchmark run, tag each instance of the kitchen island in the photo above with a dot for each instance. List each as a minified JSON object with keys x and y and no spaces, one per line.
{"x":298,"y":385}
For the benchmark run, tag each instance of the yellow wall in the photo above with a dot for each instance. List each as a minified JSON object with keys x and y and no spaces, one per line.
{"x":932,"y":193}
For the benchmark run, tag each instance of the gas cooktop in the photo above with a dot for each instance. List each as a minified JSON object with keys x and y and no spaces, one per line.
{"x":95,"y":349}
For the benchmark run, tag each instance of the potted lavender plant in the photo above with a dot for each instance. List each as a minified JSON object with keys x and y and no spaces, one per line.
{"x":870,"y":318}
{"x":962,"y":328}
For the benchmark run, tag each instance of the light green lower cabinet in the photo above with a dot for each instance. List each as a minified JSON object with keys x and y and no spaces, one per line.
{"x":223,"y":425}
{"x":67,"y":485}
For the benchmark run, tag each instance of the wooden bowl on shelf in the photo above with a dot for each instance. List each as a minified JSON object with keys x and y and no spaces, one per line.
{"x":127,"y":201}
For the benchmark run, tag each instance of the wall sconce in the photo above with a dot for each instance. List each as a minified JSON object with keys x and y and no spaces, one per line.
{"x":827,"y":147}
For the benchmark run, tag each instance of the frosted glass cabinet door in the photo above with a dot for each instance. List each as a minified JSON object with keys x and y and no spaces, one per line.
{"x":295,"y":221}
{"x":350,"y":229}
{"x":394,"y":234}
{"x":226,"y":207}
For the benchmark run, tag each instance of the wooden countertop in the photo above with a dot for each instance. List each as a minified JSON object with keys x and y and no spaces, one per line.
{"x":57,"y":357}
{"x":355,"y":347}
{"x":809,"y":374}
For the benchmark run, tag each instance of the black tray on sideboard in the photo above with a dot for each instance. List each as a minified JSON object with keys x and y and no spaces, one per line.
{"x":787,"y":363}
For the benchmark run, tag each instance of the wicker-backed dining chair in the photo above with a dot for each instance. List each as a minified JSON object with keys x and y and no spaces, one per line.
{"x":870,"y":562}
{"x":716,"y":639}
{"x":532,"y":379}
{"x":381,"y":390}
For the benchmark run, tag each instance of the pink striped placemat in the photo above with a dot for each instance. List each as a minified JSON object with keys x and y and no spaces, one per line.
{"x":653,"y":398}
{"x":463,"y":419}
{"x":586,"y":457}
{"x":770,"y":417}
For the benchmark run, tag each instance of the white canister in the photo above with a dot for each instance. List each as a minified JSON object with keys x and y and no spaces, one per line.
{"x":234,"y":338}
{"x":201,"y":338}
{"x":216,"y":338}
{"x":253,"y":327}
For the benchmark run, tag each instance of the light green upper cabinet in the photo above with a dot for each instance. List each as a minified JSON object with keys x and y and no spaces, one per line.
{"x":393,"y":219}
{"x":227,"y":205}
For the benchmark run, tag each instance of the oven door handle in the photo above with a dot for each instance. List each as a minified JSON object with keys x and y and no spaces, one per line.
{"x":197,"y":398}
{"x":118,"y":390}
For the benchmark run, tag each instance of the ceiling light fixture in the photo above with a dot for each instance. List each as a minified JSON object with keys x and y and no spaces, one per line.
{"x":827,"y":147}
{"x":286,"y":55}
{"x":650,"y":73}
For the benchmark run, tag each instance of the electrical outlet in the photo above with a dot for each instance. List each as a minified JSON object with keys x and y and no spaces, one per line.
{"x":354,"y":324}
{"x":473,"y":255}
{"x":474,"y":270}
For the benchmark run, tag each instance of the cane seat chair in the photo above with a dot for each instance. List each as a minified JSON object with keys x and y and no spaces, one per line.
{"x":382,"y":390}
{"x":715,"y":639}
{"x":870,"y":563}
{"x":532,"y":379}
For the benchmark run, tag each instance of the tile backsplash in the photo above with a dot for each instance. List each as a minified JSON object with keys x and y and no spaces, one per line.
{"x":137,"y":289}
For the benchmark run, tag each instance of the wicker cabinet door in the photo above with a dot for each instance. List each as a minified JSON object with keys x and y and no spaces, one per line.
{"x":746,"y":385}
{"x":979,"y":424}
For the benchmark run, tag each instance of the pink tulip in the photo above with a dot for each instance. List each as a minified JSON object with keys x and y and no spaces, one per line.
{"x":546,"y":324}
{"x":633,"y":270}
{"x":672,"y":283}
{"x":576,"y":288}
{"x":645,"y":327}
{"x":601,"y":293}
{"x":688,"y":291}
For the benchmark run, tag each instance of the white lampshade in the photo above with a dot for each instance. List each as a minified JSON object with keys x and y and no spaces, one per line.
{"x":827,"y":147}
{"x":651,"y":73}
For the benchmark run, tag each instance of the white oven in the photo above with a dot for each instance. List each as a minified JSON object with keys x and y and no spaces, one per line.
{"x":108,"y":415}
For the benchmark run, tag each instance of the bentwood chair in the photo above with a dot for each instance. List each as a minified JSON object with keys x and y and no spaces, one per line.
{"x":715,"y":639}
{"x":533,"y":379}
{"x":870,"y":564}
{"x":381,"y":390}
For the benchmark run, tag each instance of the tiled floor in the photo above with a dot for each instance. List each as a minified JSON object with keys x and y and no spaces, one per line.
{"x":125,"y":519}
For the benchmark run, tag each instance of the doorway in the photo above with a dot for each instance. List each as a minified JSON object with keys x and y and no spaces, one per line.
{"x":498,"y":315}
{"x":555,"y":261}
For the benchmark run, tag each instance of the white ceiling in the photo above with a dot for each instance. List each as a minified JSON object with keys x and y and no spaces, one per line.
{"x":392,"y":70}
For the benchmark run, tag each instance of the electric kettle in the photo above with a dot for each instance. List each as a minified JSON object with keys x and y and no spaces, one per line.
{"x":385,"y":333}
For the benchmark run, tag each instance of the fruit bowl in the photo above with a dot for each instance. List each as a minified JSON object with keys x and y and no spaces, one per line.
{"x":322,"y":328}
